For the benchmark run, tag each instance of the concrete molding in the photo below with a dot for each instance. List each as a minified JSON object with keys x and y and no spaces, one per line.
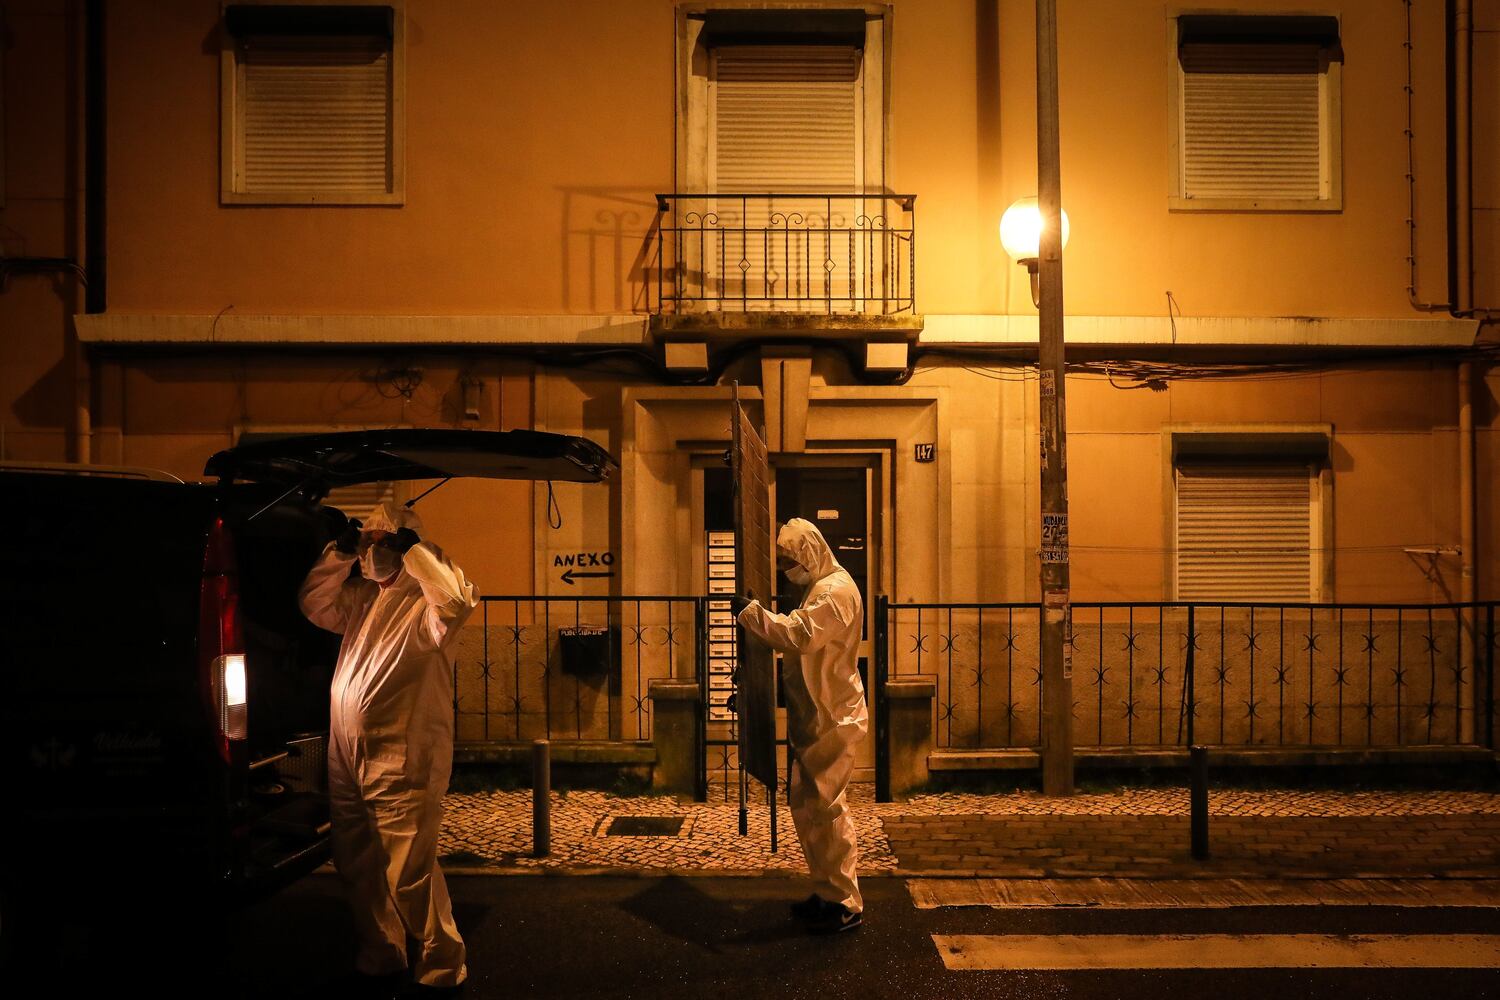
{"x":1200,"y":331}
{"x":975,"y":330}
{"x":312,"y":330}
{"x":1098,"y":758}
{"x":562,"y":751}
{"x":918,"y":688}
{"x":672,"y":689}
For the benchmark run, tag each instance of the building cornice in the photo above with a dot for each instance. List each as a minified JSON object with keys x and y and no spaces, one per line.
{"x":624,"y":329}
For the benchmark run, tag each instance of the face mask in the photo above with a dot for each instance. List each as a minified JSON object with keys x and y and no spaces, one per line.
{"x":379,"y":563}
{"x":799,"y":575}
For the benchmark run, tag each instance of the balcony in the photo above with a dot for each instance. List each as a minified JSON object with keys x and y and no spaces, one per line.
{"x":788,"y":262}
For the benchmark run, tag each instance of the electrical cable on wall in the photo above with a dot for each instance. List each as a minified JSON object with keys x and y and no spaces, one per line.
{"x":554,"y":512}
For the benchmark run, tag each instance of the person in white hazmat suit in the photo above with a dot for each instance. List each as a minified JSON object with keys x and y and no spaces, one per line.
{"x":390,"y":747}
{"x":826,"y":716}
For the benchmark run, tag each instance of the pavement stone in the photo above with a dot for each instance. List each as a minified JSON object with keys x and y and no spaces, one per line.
{"x":1127,"y":833}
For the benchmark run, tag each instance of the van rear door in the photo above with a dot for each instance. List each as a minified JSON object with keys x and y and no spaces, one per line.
{"x":313,"y":464}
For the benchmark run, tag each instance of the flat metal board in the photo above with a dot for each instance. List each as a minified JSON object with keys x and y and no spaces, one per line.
{"x":755,"y":700}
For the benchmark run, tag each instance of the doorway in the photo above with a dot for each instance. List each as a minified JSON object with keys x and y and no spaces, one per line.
{"x":841,"y":494}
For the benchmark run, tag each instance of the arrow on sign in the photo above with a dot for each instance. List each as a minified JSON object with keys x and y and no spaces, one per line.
{"x":570,"y":575}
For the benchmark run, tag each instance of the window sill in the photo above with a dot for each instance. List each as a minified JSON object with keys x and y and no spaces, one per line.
{"x":397,"y":198}
{"x":1325,"y":206}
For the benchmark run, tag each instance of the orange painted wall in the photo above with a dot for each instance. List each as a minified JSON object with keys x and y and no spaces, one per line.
{"x":537,"y":134}
{"x":532,"y":131}
{"x":38,"y":219}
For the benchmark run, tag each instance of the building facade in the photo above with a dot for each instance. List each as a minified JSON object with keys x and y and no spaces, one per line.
{"x":591,"y":217}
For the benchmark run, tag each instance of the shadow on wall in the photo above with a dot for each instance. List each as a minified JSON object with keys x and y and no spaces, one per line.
{"x":608,"y":236}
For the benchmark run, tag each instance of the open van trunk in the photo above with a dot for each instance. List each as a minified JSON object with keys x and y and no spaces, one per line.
{"x":289,"y":661}
{"x":129,"y":605}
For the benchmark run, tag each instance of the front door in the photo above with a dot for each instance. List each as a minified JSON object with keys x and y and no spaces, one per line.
{"x":838,"y":499}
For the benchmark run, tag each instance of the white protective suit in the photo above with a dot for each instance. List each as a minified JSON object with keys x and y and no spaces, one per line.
{"x":825,"y":706}
{"x":390,"y":748}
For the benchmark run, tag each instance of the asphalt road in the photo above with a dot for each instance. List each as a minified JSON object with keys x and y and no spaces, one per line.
{"x":617,"y":937}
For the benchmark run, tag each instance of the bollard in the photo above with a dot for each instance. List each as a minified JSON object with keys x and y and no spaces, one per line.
{"x":541,"y":798}
{"x":1198,"y":802}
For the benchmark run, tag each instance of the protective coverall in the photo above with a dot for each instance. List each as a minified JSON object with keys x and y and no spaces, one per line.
{"x":825,"y":705}
{"x":390,"y":746}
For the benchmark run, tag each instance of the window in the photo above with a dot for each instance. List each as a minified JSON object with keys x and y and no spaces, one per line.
{"x":785,"y":118}
{"x":311,"y":104}
{"x":1255,"y":108}
{"x":1247,"y":531}
{"x":778,"y":103}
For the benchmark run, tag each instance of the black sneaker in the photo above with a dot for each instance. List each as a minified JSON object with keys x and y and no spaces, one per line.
{"x":811,"y":908}
{"x":836,"y":919}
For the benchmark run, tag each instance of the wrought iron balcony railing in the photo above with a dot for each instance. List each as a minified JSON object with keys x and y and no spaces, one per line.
{"x":852,"y":254}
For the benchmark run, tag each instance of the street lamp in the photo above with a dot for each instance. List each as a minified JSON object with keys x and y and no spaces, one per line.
{"x":1021,"y":235}
{"x":1039,"y":249}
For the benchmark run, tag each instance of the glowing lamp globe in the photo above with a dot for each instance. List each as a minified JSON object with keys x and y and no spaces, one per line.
{"x":1021,"y":230}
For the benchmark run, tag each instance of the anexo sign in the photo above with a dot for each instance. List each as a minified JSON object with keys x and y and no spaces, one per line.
{"x":583,"y":565}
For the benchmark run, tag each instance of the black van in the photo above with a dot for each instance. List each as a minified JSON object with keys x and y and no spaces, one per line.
{"x":163,"y":702}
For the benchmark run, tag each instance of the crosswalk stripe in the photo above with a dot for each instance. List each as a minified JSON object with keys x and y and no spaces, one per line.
{"x":1113,"y":894}
{"x":1061,"y":952}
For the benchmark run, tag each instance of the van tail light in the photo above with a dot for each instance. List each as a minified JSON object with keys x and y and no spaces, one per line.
{"x":221,"y":647}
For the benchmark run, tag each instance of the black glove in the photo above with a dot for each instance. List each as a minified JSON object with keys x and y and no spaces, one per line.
{"x":405,"y":539}
{"x":738,"y":603}
{"x":348,"y":540}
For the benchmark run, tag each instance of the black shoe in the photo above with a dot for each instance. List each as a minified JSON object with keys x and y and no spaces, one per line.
{"x":836,"y":919}
{"x":414,"y":991}
{"x":811,"y":908}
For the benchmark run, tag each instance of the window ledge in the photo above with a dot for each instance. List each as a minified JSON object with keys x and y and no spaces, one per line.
{"x":1321,"y":206}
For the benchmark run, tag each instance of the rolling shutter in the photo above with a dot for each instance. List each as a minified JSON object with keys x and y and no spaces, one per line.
{"x":316,"y":114}
{"x":1244,"y":533}
{"x":1252,"y":121}
{"x":785,"y":118}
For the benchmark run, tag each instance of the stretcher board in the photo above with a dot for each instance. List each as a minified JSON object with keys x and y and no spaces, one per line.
{"x":755,"y":700}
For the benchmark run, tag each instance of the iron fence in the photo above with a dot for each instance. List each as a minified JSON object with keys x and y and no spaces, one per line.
{"x":570,"y":668}
{"x":1232,"y":674}
{"x":794,"y":252}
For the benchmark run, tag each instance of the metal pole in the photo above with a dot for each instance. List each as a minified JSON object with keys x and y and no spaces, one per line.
{"x":1198,"y":802}
{"x":1192,"y":681}
{"x":541,"y":798}
{"x":771,"y":802}
{"x":882,"y":701}
{"x":1489,"y":676}
{"x":1057,"y":666}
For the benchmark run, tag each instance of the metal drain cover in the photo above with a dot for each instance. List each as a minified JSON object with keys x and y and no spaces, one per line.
{"x":645,"y":826}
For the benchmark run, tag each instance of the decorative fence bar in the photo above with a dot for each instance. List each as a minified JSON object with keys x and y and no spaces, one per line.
{"x":1161,"y":675}
{"x":570,"y":668}
{"x":793,"y":252}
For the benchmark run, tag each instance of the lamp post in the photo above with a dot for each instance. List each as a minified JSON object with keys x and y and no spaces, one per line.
{"x":1045,"y":217}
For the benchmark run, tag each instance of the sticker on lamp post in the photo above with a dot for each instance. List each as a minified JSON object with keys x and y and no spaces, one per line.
{"x":1054,"y":538}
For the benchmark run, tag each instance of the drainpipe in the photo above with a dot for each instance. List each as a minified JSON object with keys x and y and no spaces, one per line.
{"x":1463,"y":301}
{"x":1463,"y":141}
{"x":93,"y":216}
{"x":1468,"y":633}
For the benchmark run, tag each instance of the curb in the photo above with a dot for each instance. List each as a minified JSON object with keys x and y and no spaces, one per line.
{"x":1176,"y":874}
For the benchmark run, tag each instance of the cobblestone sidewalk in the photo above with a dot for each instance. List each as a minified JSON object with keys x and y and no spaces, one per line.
{"x":1134,"y":831}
